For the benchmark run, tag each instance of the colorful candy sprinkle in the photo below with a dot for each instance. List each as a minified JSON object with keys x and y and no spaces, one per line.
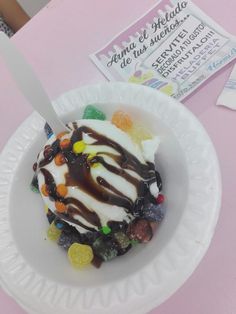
{"x":79,"y":147}
{"x":91,"y":112}
{"x":80,"y":255}
{"x":139,"y":133}
{"x":160,"y":198}
{"x":60,"y":207}
{"x":53,"y":232}
{"x":122,"y":120}
{"x":62,"y":190}
{"x":44,"y":190}
{"x":59,"y":159}
{"x":106,"y":230}
{"x":59,"y":223}
{"x":65,"y":143}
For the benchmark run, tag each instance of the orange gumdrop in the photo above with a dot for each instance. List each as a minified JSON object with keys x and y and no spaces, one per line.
{"x":122,"y":120}
{"x":60,"y":207}
{"x":65,"y":143}
{"x":44,"y":190}
{"x":60,"y":135}
{"x":62,"y":190}
{"x":59,"y":159}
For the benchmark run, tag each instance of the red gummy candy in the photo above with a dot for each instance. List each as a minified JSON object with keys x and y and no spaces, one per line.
{"x":140,"y":230}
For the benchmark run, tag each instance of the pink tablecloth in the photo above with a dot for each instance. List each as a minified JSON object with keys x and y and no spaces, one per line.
{"x":57,"y":42}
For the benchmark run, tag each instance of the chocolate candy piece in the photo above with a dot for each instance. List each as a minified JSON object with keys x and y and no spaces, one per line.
{"x":140,"y":230}
{"x":91,"y":112}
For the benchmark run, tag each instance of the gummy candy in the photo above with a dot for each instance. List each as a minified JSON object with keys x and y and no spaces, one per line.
{"x":122,"y":120}
{"x":48,"y":130}
{"x":34,"y":184}
{"x":91,"y":112}
{"x":153,"y":212}
{"x":53,"y":232}
{"x":105,"y":249}
{"x":68,"y":236}
{"x":80,"y":255}
{"x":122,"y":239}
{"x":140,"y":230}
{"x":139,"y":133}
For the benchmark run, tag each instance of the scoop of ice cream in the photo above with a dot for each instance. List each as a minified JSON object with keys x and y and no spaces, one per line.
{"x":96,"y":174}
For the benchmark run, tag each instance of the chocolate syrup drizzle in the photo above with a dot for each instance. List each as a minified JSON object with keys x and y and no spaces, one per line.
{"x":79,"y":176}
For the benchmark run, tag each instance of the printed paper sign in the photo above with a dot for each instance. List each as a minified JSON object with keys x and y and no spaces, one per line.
{"x":175,"y":47}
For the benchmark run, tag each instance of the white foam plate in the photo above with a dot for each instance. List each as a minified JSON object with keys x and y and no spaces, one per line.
{"x":36,"y":271}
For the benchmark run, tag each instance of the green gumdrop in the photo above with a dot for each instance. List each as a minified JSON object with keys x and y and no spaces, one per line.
{"x":91,"y":112}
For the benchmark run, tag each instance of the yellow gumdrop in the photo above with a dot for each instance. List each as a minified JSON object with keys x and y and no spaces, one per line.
{"x":80,"y":255}
{"x":53,"y":232}
{"x":79,"y":147}
{"x":139,"y":133}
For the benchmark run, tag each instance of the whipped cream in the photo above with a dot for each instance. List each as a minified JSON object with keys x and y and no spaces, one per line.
{"x":114,"y":170}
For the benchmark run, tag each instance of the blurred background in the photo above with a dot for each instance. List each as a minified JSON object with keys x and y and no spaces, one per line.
{"x":33,"y":6}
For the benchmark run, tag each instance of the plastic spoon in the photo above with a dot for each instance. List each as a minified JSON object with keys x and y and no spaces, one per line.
{"x":29,"y":84}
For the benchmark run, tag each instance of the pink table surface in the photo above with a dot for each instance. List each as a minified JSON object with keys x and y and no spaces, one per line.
{"x":57,"y":42}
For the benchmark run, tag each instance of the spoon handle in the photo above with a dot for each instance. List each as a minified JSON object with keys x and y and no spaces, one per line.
{"x":29,"y":84}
